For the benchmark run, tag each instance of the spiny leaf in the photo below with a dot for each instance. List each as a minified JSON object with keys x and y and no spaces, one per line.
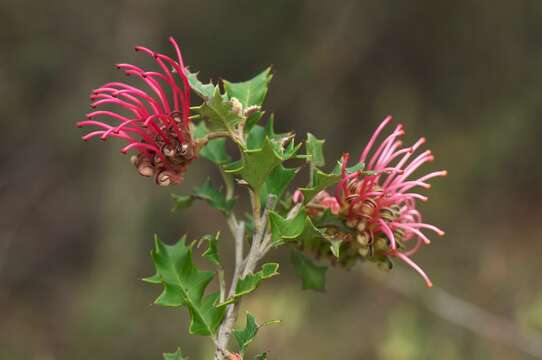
{"x":320,"y":181}
{"x":246,"y":336}
{"x":257,"y":164}
{"x":205,"y":91}
{"x":300,"y":228}
{"x":177,"y":355}
{"x":312,"y":275}
{"x":315,"y":150}
{"x":211,"y":253}
{"x":214,"y":150}
{"x":184,"y":285}
{"x":335,"y":247}
{"x":253,"y":119}
{"x":277,"y":182}
{"x":213,"y":197}
{"x":251,"y":282}
{"x":182,"y":201}
{"x":251,"y":92}
{"x":218,"y":112}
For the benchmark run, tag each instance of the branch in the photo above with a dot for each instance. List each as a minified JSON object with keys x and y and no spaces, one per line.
{"x":467,"y":315}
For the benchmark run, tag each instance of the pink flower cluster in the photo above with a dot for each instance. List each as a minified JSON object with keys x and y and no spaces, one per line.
{"x":379,"y":202}
{"x":153,"y":119}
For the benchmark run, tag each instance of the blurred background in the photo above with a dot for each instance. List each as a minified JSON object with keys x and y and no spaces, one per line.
{"x":76,"y":222}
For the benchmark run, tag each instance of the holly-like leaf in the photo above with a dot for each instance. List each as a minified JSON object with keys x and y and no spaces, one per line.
{"x":315,"y":150}
{"x":257,"y":164}
{"x":277,"y":182}
{"x":214,"y":197}
{"x":177,"y":355}
{"x":320,"y":181}
{"x":335,"y":247}
{"x":253,"y":119}
{"x":299,"y":228}
{"x":205,"y":91}
{"x":350,"y":170}
{"x":184,"y":285}
{"x":283,"y":229}
{"x":312,"y":275}
{"x":329,"y":220}
{"x":246,"y":336}
{"x":251,"y":92}
{"x":182,"y":201}
{"x":214,"y":150}
{"x":251,"y":282}
{"x":211,"y":253}
{"x":218,"y":112}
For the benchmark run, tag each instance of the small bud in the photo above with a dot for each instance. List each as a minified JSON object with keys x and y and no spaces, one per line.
{"x":351,"y":223}
{"x":168,"y":151}
{"x":363,"y":252}
{"x":167,"y":177}
{"x":363,"y":239}
{"x":134,"y":159}
{"x":297,"y":197}
{"x":236,"y":106}
{"x":145,"y":170}
{"x":361,"y":226}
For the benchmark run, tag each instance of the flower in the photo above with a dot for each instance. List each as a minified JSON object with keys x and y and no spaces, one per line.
{"x":378,"y":202}
{"x":153,"y":119}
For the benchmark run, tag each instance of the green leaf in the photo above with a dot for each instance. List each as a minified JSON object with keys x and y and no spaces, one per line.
{"x":352,"y":169}
{"x":328,"y":219}
{"x":182,"y":201}
{"x":177,"y":355}
{"x":248,"y":334}
{"x":251,"y":92}
{"x":211,"y":253}
{"x":313,"y":276}
{"x":320,"y":181}
{"x":277,"y":182}
{"x":257,"y":164}
{"x":253,"y":119}
{"x":286,"y":229}
{"x":335,"y":247}
{"x":214,"y":150}
{"x":205,"y":91}
{"x":256,"y":137}
{"x":218,"y":112}
{"x":261,"y":356}
{"x":315,"y":150}
{"x":251,"y":282}
{"x":300,"y":228}
{"x":214,"y":197}
{"x":184,"y":285}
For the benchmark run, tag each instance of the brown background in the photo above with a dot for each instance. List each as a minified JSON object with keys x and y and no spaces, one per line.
{"x":76,"y":223}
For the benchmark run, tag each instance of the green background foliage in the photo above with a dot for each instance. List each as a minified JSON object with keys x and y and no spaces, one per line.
{"x":77,"y":222}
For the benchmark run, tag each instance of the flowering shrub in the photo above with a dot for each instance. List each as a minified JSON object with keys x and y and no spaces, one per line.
{"x":367,"y":212}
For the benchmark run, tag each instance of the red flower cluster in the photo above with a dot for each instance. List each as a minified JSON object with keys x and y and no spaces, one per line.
{"x":378,"y":203}
{"x":154,"y":122}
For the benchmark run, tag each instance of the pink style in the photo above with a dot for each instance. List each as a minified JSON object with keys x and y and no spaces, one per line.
{"x":153,"y":119}
{"x":379,"y":201}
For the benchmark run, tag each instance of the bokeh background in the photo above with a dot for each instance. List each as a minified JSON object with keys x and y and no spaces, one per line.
{"x":76,"y":223}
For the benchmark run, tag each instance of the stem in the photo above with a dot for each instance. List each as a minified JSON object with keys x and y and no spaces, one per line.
{"x":243,"y":267}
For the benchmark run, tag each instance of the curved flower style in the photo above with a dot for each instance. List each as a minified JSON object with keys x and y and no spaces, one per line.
{"x":378,"y":202}
{"x":154,"y":121}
